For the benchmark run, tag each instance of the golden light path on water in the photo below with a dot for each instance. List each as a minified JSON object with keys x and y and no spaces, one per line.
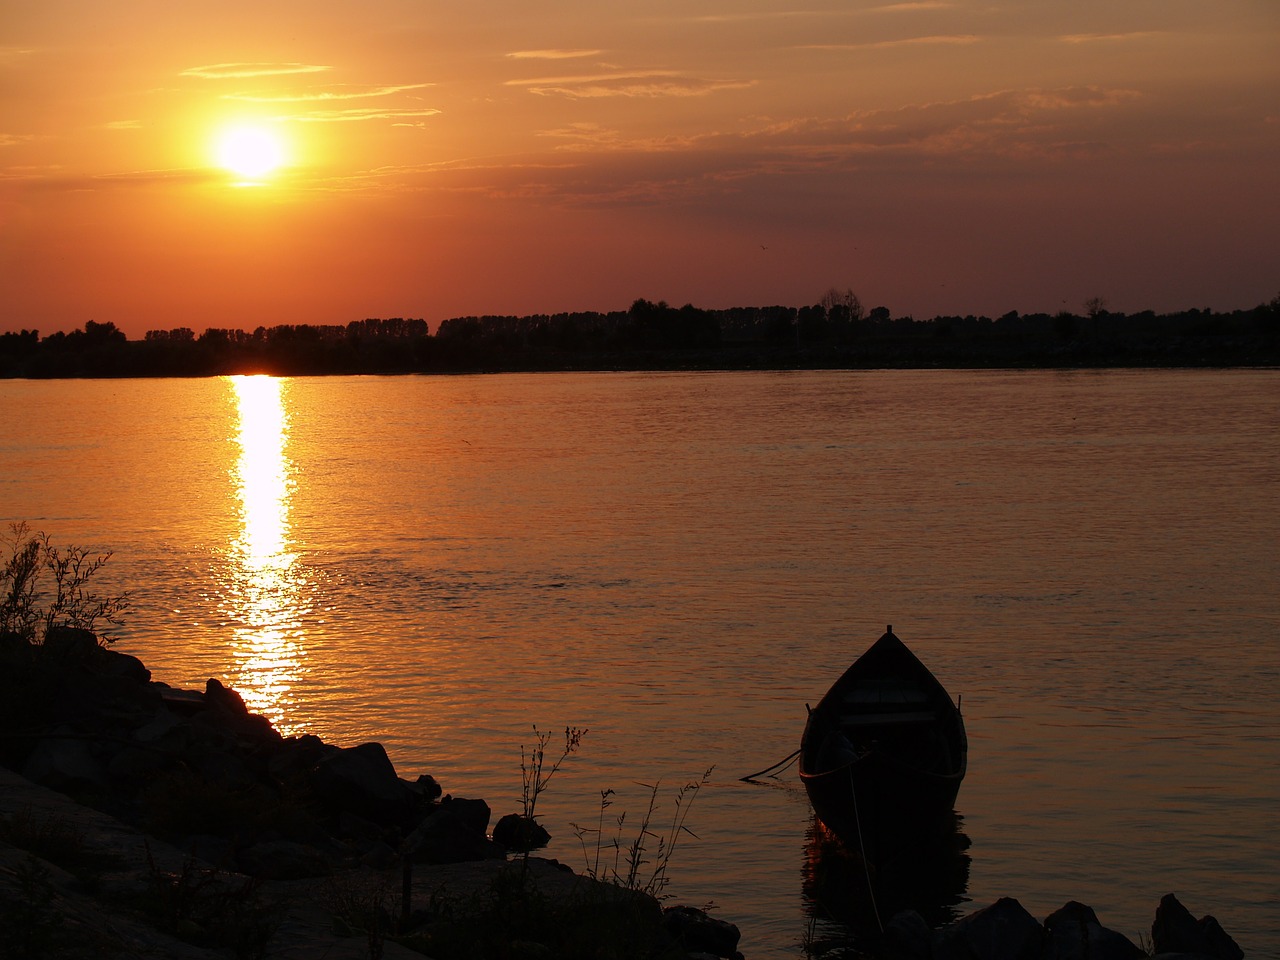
{"x":266,"y":596}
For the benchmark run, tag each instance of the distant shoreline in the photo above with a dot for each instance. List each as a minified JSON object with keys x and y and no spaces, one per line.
{"x":656,"y":337}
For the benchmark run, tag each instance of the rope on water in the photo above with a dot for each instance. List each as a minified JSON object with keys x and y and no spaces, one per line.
{"x":862,"y":850}
{"x":774,"y":770}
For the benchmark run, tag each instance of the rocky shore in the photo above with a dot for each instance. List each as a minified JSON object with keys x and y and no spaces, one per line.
{"x":139,"y":820}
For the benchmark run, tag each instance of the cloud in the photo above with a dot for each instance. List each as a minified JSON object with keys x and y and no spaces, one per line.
{"x":984,"y":138}
{"x":553,"y":54}
{"x":323,"y":95}
{"x":358,"y":115}
{"x":1108,"y":37}
{"x":123,"y":125}
{"x":912,"y":7}
{"x":649,"y":83}
{"x":51,"y":179}
{"x":756,"y":16}
{"x":1048,"y":123}
{"x":594,"y":138}
{"x":241,"y":71}
{"x":960,"y":39}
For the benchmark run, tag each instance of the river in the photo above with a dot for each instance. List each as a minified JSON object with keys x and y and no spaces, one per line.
{"x":678,"y":563}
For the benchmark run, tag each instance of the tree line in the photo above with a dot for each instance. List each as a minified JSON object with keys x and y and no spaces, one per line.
{"x":835,"y":332}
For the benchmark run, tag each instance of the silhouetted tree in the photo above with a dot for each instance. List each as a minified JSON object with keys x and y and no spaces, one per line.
{"x":841,"y":304}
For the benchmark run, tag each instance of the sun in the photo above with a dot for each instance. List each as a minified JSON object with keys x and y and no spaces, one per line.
{"x":250,"y":152}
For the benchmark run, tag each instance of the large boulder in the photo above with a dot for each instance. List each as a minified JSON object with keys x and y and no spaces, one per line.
{"x":696,"y":932}
{"x":1002,"y":931}
{"x":125,"y":666}
{"x":362,"y":780}
{"x":283,"y":860}
{"x":1175,"y":930}
{"x":227,"y":709}
{"x":68,"y":644}
{"x":1074,"y":933}
{"x":520,"y":833}
{"x":65,"y":763}
{"x":294,"y":758}
{"x":453,"y":833}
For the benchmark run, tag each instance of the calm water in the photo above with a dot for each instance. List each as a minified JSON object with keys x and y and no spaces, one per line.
{"x":680,"y":562}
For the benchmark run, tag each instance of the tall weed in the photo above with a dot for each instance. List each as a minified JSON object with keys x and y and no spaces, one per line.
{"x":43,"y":587}
{"x":641,"y":864}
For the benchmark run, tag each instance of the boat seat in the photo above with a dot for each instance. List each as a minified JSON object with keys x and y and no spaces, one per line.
{"x":885,"y":719}
{"x":888,"y":693}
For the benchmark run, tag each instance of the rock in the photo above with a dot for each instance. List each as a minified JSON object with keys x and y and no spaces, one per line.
{"x":1175,"y":930}
{"x":157,"y":728}
{"x":1002,"y":931}
{"x":293,"y":757}
{"x":227,"y":709}
{"x":65,"y":764}
{"x":361,"y":780}
{"x":1223,"y":944}
{"x":474,"y":813}
{"x":355,"y":827}
{"x":446,"y":836}
{"x":223,"y":768}
{"x":520,"y":833}
{"x":426,"y":787}
{"x":698,"y":932}
{"x":221,"y":697}
{"x":125,"y":666}
{"x":1074,"y":933}
{"x":283,"y":860}
{"x":183,"y":703}
{"x":216,"y":851}
{"x":133,"y":765}
{"x":379,"y":855}
{"x":907,"y":937}
{"x":70,"y":643}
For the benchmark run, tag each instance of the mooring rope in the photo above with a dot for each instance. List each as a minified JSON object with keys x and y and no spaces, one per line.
{"x":862,"y":850}
{"x":775,"y":769}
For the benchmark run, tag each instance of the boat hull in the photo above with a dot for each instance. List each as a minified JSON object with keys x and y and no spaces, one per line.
{"x":884,"y":752}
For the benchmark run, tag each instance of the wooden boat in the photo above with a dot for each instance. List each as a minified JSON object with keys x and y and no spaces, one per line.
{"x":883,"y":753}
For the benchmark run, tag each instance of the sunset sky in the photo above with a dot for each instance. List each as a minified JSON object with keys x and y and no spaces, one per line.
{"x":439,"y":160}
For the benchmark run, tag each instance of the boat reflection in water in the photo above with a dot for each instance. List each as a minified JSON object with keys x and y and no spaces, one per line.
{"x":850,"y":900}
{"x":265,"y":591}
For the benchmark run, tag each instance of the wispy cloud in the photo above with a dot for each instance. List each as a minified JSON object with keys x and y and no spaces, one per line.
{"x":999,"y":132}
{"x":593,"y":137}
{"x":553,"y":54}
{"x":54,"y":179}
{"x":758,"y":16}
{"x":912,"y":7}
{"x":1108,"y":37}
{"x":958,"y":39}
{"x":123,"y":125}
{"x":241,"y":71}
{"x":342,"y":93}
{"x":360,"y":115}
{"x":647,"y":83}
{"x":1048,"y":123}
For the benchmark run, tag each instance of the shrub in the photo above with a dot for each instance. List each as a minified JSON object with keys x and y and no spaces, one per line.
{"x":43,"y":587}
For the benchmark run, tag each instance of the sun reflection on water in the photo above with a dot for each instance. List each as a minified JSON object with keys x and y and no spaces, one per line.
{"x":267,"y":596}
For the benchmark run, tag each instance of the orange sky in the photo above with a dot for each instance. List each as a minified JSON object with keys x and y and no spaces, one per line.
{"x":975,"y":156}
